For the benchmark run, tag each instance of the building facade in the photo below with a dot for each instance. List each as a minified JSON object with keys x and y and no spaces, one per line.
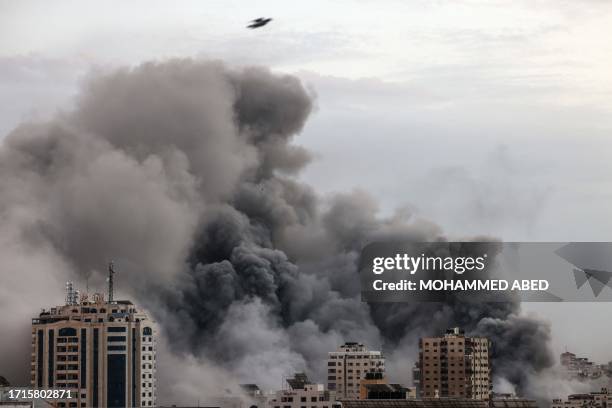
{"x":348,"y":365}
{"x":601,"y":399}
{"x":580,"y":368}
{"x":303,"y":394}
{"x":103,"y":352}
{"x":454,"y":366}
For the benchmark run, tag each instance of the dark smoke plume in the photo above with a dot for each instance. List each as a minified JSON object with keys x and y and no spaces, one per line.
{"x":183,"y":172}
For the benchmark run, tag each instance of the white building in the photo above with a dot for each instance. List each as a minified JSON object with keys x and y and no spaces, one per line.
{"x":101,"y":351}
{"x":348,"y":365}
{"x":302,"y":394}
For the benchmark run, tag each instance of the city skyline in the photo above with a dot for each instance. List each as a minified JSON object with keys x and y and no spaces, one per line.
{"x":234,"y":175}
{"x":77,"y":326}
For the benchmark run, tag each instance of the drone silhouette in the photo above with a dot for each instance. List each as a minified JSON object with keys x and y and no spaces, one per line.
{"x":259,"y":22}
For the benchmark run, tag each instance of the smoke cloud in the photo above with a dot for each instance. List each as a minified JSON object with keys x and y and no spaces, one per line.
{"x":184,"y":173}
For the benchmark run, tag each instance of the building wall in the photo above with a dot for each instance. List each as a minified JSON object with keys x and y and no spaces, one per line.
{"x":454,"y":366}
{"x":601,"y":399}
{"x":348,"y":365}
{"x":103,"y":353}
{"x":363,"y":385}
{"x":312,"y":396}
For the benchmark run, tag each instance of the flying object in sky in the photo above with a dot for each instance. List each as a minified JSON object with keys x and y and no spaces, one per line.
{"x":259,"y":22}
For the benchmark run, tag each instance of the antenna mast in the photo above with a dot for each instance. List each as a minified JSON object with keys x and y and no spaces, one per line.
{"x":111,"y":272}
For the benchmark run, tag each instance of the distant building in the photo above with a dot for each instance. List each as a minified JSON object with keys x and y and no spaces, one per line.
{"x":416,"y":378}
{"x":387,"y":392}
{"x":369,"y":380}
{"x":440,"y":403}
{"x":375,"y":386}
{"x":454,"y":366}
{"x":102,"y":351}
{"x":601,"y":399}
{"x":580,"y":368}
{"x":302,"y":393}
{"x":255,"y":394}
{"x":348,"y":365}
{"x":252,"y":390}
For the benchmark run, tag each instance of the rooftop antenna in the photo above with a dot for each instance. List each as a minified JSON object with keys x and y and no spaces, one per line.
{"x":71,"y":296}
{"x":111,"y":272}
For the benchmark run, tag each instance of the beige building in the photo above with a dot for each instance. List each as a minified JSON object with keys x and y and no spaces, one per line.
{"x":348,"y":365}
{"x":580,"y":368}
{"x":302,"y":394}
{"x":454,"y":366}
{"x":102,"y":351}
{"x":370,"y":379}
{"x":601,"y":399}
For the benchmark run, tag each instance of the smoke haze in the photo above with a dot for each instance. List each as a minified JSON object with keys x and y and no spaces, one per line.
{"x":184,"y":173}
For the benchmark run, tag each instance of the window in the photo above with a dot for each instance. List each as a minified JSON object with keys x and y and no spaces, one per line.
{"x":116,"y":329}
{"x":147,"y":331}
{"x":67,"y":331}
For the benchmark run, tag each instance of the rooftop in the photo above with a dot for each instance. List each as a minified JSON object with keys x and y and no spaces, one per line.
{"x":440,"y":403}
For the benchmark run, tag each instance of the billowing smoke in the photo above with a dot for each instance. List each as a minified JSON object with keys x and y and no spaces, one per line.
{"x":184,"y":173}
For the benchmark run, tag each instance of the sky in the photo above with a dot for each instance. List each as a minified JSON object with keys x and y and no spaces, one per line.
{"x":486,"y":117}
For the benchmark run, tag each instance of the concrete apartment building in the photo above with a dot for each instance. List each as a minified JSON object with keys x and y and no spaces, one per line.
{"x":303,"y":394}
{"x":441,"y":403}
{"x":581,"y":368}
{"x":454,"y":366}
{"x":102,"y":351}
{"x":376,"y":386}
{"x":601,"y":399}
{"x":348,"y":365}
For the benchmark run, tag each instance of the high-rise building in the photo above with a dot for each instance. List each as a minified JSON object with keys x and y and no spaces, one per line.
{"x":102,"y":351}
{"x":454,"y":365}
{"x":348,"y":365}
